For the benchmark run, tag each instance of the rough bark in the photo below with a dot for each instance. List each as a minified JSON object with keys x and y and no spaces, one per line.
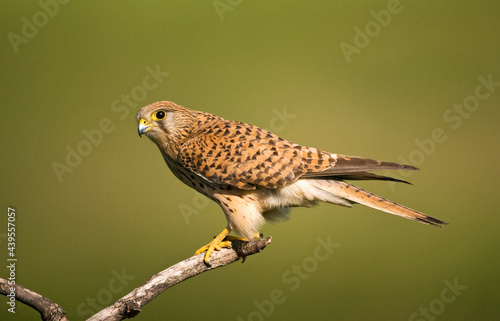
{"x":130,"y":305}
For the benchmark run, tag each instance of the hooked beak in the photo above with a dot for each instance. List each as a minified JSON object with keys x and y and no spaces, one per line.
{"x":143,"y":127}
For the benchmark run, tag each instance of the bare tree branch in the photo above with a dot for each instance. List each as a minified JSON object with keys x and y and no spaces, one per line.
{"x":49,"y":310}
{"x":130,"y":305}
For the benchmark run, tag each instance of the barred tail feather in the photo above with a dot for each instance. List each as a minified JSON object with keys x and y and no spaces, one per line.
{"x":357,"y":195}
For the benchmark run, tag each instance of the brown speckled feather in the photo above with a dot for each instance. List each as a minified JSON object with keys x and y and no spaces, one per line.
{"x":245,"y":156}
{"x":254,"y":174}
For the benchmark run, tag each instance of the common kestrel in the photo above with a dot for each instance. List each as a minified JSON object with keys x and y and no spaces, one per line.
{"x":255,"y":175}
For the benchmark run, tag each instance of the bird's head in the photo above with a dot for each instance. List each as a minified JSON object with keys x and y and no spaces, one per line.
{"x":167,"y":124}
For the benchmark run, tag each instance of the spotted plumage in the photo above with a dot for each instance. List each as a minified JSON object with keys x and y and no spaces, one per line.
{"x":256,"y":175}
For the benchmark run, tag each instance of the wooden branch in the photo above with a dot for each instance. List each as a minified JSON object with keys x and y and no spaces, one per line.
{"x":130,"y":305}
{"x":49,"y":310}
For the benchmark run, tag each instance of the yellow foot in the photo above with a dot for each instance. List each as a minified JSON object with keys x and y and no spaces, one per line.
{"x":217,"y":244}
{"x":220,"y":241}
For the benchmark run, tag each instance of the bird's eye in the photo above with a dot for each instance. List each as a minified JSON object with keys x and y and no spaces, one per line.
{"x":159,"y":115}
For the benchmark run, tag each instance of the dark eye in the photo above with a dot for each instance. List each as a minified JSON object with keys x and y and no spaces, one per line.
{"x":159,"y":115}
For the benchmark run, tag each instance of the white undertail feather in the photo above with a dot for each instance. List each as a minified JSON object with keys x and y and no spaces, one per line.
{"x":358,"y":195}
{"x":307,"y":192}
{"x":276,"y":203}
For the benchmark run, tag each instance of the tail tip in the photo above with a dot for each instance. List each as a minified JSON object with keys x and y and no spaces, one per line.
{"x":432,"y":221}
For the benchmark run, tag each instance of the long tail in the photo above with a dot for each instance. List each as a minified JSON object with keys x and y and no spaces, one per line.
{"x":355,"y":194}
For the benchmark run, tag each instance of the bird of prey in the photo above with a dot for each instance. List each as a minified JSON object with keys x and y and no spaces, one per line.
{"x":255,"y":175}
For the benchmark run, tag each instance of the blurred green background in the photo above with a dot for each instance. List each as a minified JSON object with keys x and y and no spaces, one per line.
{"x":113,"y":218}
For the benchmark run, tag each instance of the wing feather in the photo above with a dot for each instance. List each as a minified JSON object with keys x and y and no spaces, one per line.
{"x":245,"y":156}
{"x":355,"y":165}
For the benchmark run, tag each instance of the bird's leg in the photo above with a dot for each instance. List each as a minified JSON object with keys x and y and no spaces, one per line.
{"x":220,"y":241}
{"x":217,"y":244}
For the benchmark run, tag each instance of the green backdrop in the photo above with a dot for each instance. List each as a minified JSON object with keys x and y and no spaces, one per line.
{"x":98,"y":212}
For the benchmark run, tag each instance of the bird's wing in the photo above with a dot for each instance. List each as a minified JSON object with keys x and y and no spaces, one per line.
{"x":353,"y":167}
{"x":361,"y":176}
{"x":246,"y":156}
{"x":243,"y":156}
